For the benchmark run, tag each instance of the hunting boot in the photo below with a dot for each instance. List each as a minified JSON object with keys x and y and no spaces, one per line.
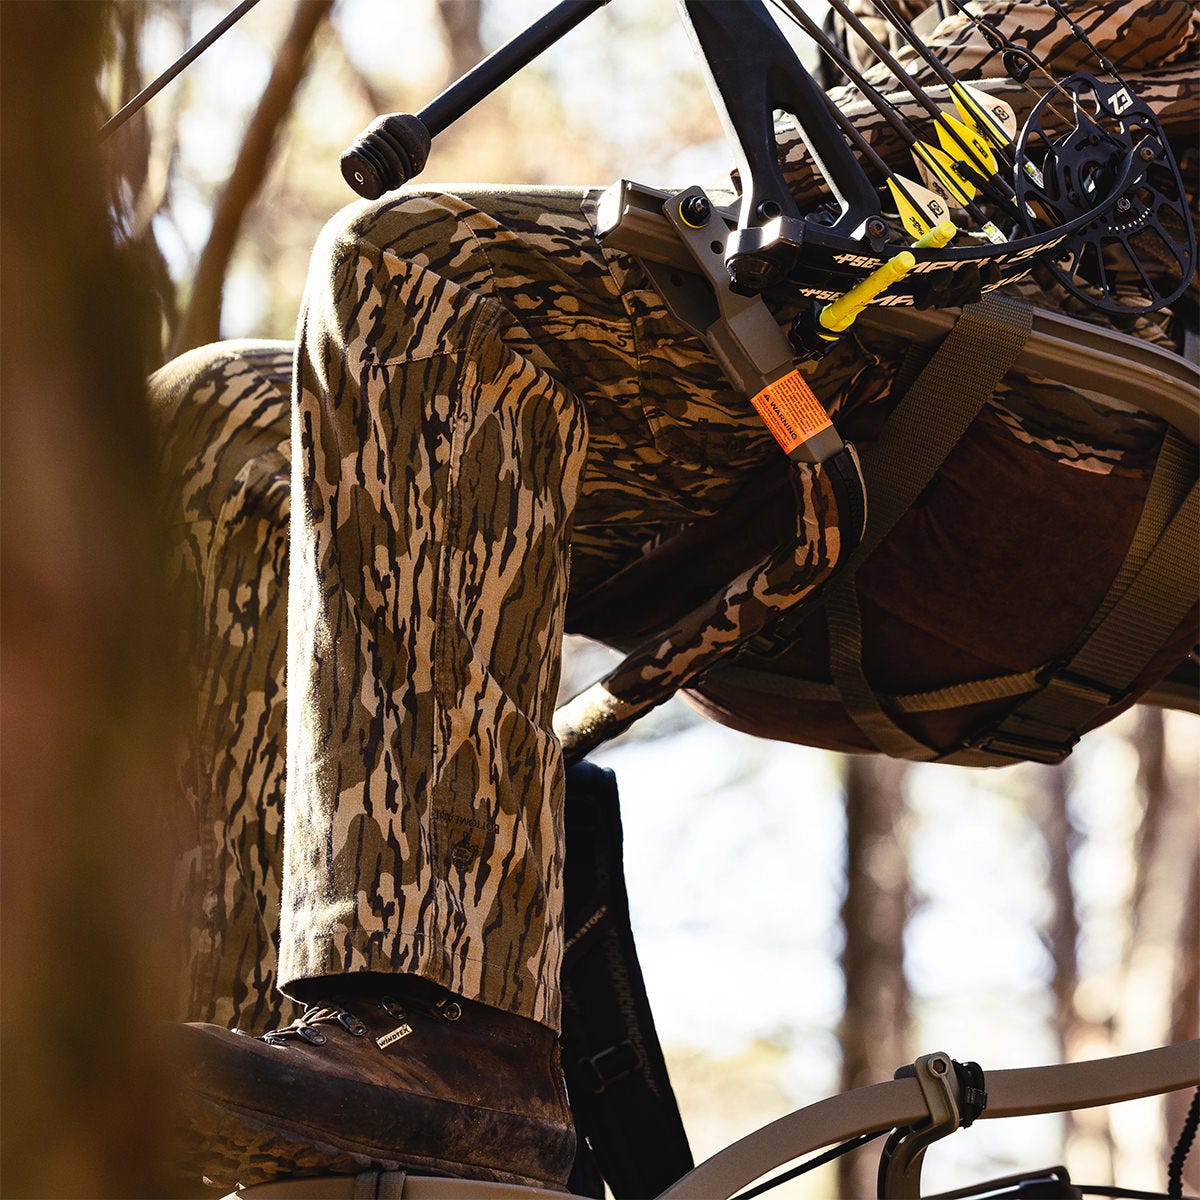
{"x":413,"y":1078}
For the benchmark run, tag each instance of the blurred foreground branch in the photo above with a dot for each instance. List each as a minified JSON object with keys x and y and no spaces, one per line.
{"x":88,"y":699}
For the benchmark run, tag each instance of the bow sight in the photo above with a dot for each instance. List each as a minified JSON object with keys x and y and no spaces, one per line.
{"x":1088,"y":186}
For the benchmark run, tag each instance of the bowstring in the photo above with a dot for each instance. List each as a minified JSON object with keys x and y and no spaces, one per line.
{"x":1055,"y":85}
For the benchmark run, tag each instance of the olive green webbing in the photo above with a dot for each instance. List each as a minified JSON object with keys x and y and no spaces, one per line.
{"x":1151,"y":594}
{"x":956,"y":695}
{"x":1111,"y":652}
{"x":1142,"y":609}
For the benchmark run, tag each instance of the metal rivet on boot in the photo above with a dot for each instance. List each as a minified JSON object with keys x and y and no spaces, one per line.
{"x":314,"y":1037}
{"x":450,"y":1010}
{"x":392,"y":1007}
{"x":349,"y":1021}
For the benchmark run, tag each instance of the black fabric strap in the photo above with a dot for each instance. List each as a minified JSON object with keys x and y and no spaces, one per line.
{"x":621,"y":1096}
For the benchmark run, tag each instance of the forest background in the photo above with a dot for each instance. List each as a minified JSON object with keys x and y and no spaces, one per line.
{"x":807,"y":922}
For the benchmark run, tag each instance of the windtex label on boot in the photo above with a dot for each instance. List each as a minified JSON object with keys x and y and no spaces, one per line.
{"x":401,"y":1031}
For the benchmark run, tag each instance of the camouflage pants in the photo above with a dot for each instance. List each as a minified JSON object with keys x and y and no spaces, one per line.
{"x":460,"y":359}
{"x":479,"y":397}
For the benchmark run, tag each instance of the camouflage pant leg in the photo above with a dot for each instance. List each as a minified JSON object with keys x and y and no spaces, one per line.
{"x":457,"y":355}
{"x":669,"y":441}
{"x":437,"y":462}
{"x":225,"y":416}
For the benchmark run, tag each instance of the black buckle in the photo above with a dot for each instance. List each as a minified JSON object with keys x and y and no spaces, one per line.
{"x":611,"y":1065}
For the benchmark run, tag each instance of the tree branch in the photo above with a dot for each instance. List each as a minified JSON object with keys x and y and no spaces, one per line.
{"x":202,"y":321}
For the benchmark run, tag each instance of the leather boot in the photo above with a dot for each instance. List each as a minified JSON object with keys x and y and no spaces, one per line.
{"x":416,"y":1079}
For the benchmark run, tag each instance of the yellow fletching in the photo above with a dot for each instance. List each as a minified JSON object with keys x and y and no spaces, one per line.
{"x":911,"y":217}
{"x":962,"y":142}
{"x":989,"y":114}
{"x":937,"y":169}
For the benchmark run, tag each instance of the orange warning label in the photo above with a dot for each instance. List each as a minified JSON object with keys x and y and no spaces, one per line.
{"x":790,"y":410}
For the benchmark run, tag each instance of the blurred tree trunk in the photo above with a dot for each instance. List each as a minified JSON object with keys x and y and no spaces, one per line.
{"x":202,"y":320}
{"x":88,"y":699}
{"x":1162,"y":929}
{"x":1185,"y":1013}
{"x":874,"y":1027}
{"x":460,"y":21}
{"x":1062,"y":933}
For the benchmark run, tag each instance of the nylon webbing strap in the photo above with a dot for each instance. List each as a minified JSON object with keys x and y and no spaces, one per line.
{"x":1153,"y":592}
{"x":956,"y":695}
{"x":924,"y":427}
{"x":1173,"y":473}
{"x":938,"y":409}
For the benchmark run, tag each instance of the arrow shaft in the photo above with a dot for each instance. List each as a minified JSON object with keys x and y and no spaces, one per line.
{"x":882,"y":105}
{"x":864,"y":147}
{"x":939,"y":68}
{"x":885,"y":56}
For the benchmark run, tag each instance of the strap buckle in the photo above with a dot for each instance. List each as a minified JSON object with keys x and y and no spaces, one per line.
{"x":611,"y":1065}
{"x":1079,"y":688}
{"x":1024,"y":748}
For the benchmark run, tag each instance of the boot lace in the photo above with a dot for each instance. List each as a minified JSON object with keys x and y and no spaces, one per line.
{"x":306,"y":1026}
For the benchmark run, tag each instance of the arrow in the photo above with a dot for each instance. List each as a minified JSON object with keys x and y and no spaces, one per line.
{"x":941,"y":175}
{"x":920,"y":209}
{"x":935,"y":165}
{"x":937,"y":169}
{"x":990,"y":115}
{"x":950,"y":132}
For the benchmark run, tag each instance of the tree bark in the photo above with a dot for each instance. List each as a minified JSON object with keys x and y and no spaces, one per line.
{"x":874,"y":1027}
{"x":1185,"y":1015}
{"x":202,"y":320}
{"x":1163,"y":920}
{"x":1062,"y":933}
